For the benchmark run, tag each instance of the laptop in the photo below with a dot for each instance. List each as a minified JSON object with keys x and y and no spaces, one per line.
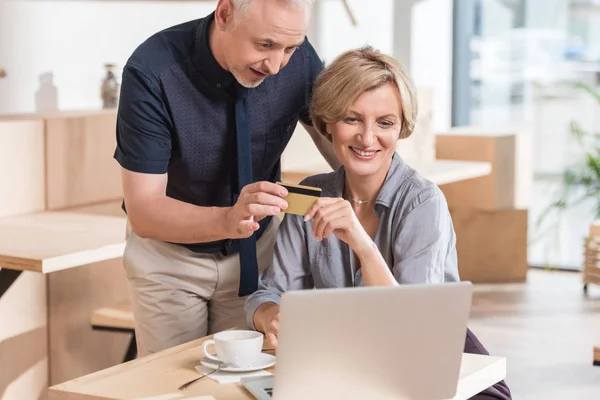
{"x":402,"y":342}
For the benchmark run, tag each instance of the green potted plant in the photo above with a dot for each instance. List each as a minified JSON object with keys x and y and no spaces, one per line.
{"x":580,"y":182}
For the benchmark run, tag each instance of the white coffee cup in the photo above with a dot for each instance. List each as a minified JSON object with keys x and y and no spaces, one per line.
{"x":236,"y":348}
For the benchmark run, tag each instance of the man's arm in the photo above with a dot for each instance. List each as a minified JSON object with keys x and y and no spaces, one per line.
{"x":325,"y":147}
{"x":154,"y":215}
{"x":144,"y":150}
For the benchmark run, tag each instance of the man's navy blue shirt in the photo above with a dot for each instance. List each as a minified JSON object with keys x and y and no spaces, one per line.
{"x":177,"y":116}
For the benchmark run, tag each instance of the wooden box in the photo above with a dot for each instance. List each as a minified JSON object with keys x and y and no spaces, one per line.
{"x":491,"y":245}
{"x":507,"y":186}
{"x":24,"y":338}
{"x":80,"y":166}
{"x":22,"y":175}
{"x":73,"y":295}
{"x":595,"y":229}
{"x":591,"y":267}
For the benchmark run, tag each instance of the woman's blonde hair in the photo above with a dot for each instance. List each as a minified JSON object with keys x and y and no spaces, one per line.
{"x":350,"y":75}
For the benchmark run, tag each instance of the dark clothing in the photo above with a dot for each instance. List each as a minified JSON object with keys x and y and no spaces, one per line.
{"x":500,"y":390}
{"x":177,"y":116}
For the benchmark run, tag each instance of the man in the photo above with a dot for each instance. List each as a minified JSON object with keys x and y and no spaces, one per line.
{"x":206,"y":110}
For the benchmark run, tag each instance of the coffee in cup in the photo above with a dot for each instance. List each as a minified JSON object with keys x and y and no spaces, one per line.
{"x":237,"y":348}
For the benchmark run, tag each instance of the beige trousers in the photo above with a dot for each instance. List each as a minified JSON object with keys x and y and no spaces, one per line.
{"x":179,"y":295}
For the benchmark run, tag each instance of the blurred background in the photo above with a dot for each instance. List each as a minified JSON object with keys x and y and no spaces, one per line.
{"x":500,"y":63}
{"x":508,"y":92}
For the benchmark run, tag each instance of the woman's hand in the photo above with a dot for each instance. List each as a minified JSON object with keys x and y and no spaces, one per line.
{"x":335,"y":215}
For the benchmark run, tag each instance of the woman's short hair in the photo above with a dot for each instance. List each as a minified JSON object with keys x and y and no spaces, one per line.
{"x":350,"y":75}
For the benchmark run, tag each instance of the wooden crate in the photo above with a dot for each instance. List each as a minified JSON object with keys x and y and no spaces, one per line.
{"x":23,"y":338}
{"x":59,"y":160}
{"x":508,"y":186}
{"x":591,"y":267}
{"x":73,"y":295}
{"x":491,"y":245}
{"x":595,"y":229}
{"x":22,"y":164}
{"x":76,"y":349}
{"x":80,"y":168}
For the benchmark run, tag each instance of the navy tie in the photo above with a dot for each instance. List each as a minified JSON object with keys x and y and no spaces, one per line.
{"x":248,"y":262}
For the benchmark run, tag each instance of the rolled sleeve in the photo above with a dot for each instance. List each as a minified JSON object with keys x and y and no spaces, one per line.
{"x":143,"y":125}
{"x":425,"y":244}
{"x":290,"y":269}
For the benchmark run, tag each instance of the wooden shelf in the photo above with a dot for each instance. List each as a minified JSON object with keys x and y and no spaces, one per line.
{"x":119,"y":316}
{"x":58,"y":114}
{"x":442,"y":172}
{"x":52,"y":241}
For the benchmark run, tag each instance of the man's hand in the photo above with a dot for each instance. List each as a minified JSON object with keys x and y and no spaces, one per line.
{"x":266,"y":320}
{"x":255,"y":202}
{"x":335,"y":215}
{"x":272,"y":329}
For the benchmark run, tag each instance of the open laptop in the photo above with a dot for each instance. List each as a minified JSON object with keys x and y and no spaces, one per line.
{"x":403,"y":342}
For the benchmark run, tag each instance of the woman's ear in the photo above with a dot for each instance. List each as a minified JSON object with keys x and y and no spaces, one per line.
{"x":328,"y":129}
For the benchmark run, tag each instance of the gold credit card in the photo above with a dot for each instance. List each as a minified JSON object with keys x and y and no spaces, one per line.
{"x":300,"y":198}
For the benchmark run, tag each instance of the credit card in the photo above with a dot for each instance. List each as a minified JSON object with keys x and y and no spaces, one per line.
{"x":300,"y":198}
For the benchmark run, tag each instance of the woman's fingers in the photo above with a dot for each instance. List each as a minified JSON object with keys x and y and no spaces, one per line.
{"x":339,"y":219}
{"x":320,"y":203}
{"x":322,"y":217}
{"x":326,"y":215}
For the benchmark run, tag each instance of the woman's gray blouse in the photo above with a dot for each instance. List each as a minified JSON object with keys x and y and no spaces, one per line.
{"x":415,"y":237}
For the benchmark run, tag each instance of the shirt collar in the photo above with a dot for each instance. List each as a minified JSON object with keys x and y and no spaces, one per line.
{"x":390,"y":185}
{"x":388,"y":190}
{"x":206,"y":63}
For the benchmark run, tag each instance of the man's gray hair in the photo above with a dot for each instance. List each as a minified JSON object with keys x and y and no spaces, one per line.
{"x":244,"y":5}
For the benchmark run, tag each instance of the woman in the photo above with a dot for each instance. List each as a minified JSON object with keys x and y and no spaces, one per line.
{"x":378,"y":222}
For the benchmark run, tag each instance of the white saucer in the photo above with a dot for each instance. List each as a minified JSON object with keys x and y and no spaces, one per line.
{"x":264,"y":361}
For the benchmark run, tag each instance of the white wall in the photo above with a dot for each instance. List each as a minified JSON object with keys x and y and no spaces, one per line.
{"x":428,"y":23}
{"x":427,"y":53}
{"x":431,"y":55}
{"x":375,"y":24}
{"x":72,"y":40}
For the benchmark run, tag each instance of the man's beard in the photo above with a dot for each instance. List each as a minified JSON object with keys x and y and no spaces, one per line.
{"x":237,"y":72}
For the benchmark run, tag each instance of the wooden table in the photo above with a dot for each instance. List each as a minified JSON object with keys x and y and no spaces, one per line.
{"x":52,"y":241}
{"x":158,"y":376}
{"x":440,"y":172}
